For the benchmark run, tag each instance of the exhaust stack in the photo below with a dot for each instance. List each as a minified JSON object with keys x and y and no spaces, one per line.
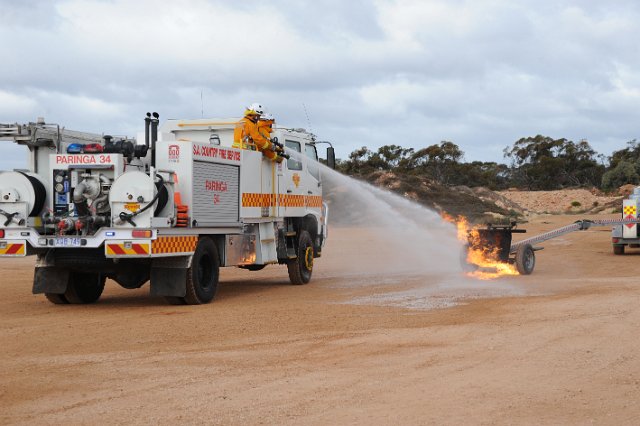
{"x":147,"y":123}
{"x":154,"y":136}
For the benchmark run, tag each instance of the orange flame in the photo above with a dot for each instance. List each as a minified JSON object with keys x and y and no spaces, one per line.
{"x":486,"y":259}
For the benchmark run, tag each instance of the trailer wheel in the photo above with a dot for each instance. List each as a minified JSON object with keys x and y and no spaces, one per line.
{"x":301,"y":267}
{"x":618,"y":249}
{"x":56,"y":299}
{"x":525,"y":259}
{"x":84,"y":287}
{"x":202,"y":276}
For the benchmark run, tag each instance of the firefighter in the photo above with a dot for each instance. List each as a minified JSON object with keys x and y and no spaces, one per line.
{"x":246,"y":131}
{"x":269,"y":149}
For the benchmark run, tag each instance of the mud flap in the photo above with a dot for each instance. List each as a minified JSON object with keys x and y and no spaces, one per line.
{"x":169,"y":276}
{"x":49,"y":279}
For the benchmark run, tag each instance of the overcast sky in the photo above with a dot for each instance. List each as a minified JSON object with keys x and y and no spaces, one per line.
{"x":481,"y":74}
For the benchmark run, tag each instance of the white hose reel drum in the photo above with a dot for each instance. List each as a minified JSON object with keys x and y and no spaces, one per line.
{"x":24,"y":188}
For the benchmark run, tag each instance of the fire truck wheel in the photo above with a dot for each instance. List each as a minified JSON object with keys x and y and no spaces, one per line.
{"x":84,"y":287}
{"x":56,"y":299}
{"x":525,"y":259}
{"x":202,"y":276}
{"x":618,"y":249}
{"x":301,"y":267}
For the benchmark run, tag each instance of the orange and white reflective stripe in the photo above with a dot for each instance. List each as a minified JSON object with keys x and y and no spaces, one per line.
{"x":258,"y":200}
{"x":174,"y":244}
{"x":314,"y":201}
{"x":13,"y":249}
{"x":127,"y":249}
{"x":284,"y":200}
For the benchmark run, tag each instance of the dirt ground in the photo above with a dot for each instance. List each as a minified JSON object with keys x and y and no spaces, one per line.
{"x":353,"y":347}
{"x":561,"y":201}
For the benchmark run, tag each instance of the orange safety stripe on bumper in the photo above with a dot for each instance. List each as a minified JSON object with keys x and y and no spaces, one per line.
{"x":13,"y":249}
{"x":174,"y":245}
{"x":119,"y":249}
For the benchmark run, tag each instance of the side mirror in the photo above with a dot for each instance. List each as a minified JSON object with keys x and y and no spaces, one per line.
{"x":331,"y":158}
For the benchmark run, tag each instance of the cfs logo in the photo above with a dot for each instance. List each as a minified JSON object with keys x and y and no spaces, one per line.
{"x":174,"y":153}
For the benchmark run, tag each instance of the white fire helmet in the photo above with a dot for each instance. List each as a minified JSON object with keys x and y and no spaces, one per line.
{"x":257,"y":107}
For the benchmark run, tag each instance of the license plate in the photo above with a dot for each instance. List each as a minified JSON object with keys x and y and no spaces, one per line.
{"x":66,"y":242}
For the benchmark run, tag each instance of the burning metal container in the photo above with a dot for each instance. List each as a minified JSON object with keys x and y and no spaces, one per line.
{"x":488,"y":247}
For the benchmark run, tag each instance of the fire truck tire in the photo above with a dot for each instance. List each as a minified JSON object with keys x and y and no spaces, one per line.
{"x":618,"y":249}
{"x":84,"y":287}
{"x":203,"y":275}
{"x":56,"y":299}
{"x":525,"y":259}
{"x":301,"y":267}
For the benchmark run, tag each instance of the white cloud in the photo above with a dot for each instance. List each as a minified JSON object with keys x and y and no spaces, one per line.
{"x":12,"y":103}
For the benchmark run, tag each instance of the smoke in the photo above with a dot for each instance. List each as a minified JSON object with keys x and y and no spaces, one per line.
{"x":381,"y":233}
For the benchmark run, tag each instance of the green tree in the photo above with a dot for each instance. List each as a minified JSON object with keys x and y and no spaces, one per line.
{"x":390,"y":157}
{"x":438,"y":162}
{"x":541,"y":162}
{"x":623,"y":173}
{"x":630,"y":154}
{"x":478,"y":173}
{"x":358,"y":162}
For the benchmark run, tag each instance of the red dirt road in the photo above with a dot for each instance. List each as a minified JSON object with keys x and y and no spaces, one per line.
{"x":353,"y":347}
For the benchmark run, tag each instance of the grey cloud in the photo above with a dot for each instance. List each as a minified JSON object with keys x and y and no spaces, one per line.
{"x":481,"y":74}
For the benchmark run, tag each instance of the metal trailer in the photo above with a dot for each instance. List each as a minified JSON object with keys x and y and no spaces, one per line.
{"x":496,"y":241}
{"x":169,"y":211}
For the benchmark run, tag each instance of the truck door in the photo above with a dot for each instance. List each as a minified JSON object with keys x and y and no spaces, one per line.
{"x":293,"y":182}
{"x":268,"y":186}
{"x":313,"y":182}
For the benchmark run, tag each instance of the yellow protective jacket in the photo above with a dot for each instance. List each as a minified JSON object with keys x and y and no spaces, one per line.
{"x":246,"y":135}
{"x":265,"y":128}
